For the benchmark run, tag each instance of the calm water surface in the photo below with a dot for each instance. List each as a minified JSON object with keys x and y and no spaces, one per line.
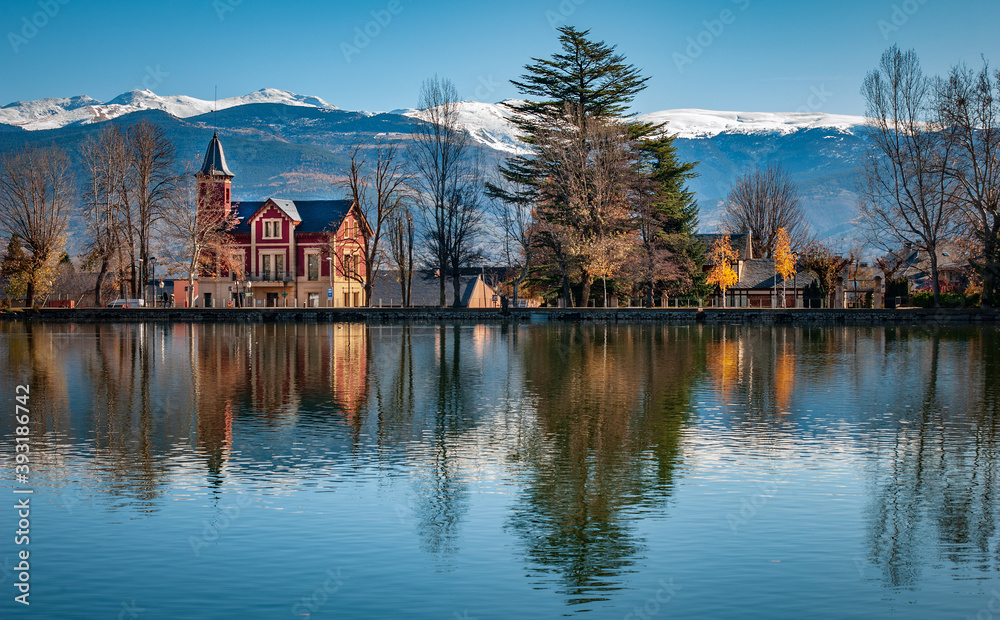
{"x":347,"y":471}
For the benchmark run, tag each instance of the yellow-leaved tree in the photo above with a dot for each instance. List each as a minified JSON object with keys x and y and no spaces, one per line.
{"x":721,"y":257}
{"x":784,"y":259}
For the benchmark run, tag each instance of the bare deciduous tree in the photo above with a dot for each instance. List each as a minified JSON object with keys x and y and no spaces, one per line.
{"x":401,"y":249}
{"x":907,"y":193}
{"x":379,"y":194}
{"x":762,"y":202}
{"x":586,"y":197}
{"x":514,"y":221}
{"x":150,"y":189}
{"x":447,"y":181}
{"x":106,"y":170}
{"x":36,"y":193}
{"x":969,"y":109}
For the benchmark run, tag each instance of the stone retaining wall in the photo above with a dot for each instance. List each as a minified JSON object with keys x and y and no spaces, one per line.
{"x":798,"y":316}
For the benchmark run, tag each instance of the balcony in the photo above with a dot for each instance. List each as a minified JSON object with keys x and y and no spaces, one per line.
{"x":276,"y":277}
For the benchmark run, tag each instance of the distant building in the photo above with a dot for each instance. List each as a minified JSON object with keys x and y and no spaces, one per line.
{"x":760,"y":287}
{"x":474,"y":286}
{"x":295,"y":253}
{"x":742,"y":243}
{"x":915,"y":265}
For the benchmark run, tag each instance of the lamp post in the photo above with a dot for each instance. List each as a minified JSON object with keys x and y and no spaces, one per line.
{"x":140,"y":278}
{"x":329,"y":295}
{"x":250,"y":292}
{"x":152,"y":279}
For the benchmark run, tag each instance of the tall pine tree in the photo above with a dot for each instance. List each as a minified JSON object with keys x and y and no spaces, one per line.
{"x":582,"y":92}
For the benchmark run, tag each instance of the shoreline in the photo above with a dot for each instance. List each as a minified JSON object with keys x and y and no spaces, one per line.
{"x":681,"y":316}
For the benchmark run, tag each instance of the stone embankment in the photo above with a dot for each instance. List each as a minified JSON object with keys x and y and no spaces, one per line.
{"x":711,"y":316}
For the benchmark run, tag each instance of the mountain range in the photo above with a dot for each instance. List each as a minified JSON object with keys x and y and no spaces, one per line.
{"x":280,"y":143}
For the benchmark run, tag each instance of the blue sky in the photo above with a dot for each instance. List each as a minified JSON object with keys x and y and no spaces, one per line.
{"x":747,"y":55}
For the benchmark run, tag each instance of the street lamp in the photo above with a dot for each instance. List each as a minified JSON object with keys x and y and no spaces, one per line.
{"x":152,"y":278}
{"x":249,"y":292}
{"x":329,"y":293}
{"x":140,"y":278}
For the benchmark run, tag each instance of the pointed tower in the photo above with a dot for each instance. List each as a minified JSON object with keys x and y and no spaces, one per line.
{"x":214,"y":179}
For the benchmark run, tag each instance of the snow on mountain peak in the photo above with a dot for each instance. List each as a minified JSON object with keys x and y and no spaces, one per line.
{"x":694,"y":123}
{"x":488,"y":123}
{"x":52,"y":113}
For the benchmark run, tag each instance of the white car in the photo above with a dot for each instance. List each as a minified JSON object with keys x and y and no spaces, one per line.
{"x":128,"y":303}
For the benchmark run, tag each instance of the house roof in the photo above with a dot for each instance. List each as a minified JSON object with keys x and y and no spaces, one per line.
{"x":915,"y":264}
{"x":312,"y":215}
{"x":741,"y":242}
{"x":289,"y":208}
{"x":759,"y":274}
{"x":426,"y":289}
{"x":470,"y":289}
{"x":215,"y":160}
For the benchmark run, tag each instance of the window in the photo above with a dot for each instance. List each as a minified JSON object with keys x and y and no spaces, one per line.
{"x":267,"y":261}
{"x":312,"y":261}
{"x":272,"y":229}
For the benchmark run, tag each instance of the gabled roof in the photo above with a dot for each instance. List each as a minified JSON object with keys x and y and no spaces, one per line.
{"x":215,"y":160}
{"x":426,"y":289}
{"x":288,"y":207}
{"x":740,"y":242}
{"x":759,"y":274}
{"x":313,"y":216}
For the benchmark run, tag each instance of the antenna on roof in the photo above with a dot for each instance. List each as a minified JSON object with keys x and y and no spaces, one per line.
{"x":215,"y":112}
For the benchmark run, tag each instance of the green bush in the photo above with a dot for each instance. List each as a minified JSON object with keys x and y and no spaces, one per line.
{"x":948,"y":300}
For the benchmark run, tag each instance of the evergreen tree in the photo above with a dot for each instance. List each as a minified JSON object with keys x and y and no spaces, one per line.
{"x":589,"y":76}
{"x":673,"y":213}
{"x":582,"y":95}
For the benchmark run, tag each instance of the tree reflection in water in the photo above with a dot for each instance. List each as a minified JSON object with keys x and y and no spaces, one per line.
{"x":589,"y":425}
{"x":937,"y":473}
{"x":611,"y":405}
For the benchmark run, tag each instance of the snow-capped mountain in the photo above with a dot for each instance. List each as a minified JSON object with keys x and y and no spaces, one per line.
{"x":53,"y":113}
{"x":693,"y":123}
{"x":490,"y":124}
{"x":487,"y":123}
{"x":281,"y":143}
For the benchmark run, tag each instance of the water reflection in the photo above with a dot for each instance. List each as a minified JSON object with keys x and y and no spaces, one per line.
{"x":611,"y":405}
{"x":936,"y":477}
{"x":584,"y":431}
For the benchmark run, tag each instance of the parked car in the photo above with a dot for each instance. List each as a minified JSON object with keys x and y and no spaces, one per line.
{"x":127,"y":303}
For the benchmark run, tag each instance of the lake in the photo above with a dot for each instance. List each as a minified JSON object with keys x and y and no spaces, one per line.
{"x":489,"y":471}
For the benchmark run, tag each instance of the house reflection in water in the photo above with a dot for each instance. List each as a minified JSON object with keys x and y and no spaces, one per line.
{"x":259,"y":372}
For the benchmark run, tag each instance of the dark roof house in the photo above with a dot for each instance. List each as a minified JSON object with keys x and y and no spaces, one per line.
{"x":741,"y":242}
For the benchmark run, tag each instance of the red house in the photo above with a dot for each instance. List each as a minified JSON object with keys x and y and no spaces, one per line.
{"x":294,"y":253}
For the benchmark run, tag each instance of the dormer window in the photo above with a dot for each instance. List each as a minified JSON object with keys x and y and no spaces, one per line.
{"x":272,"y":229}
